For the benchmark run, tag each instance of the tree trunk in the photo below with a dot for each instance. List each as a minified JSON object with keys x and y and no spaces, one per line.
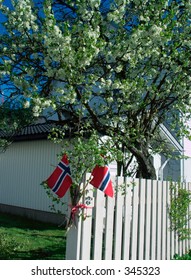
{"x":146,"y":168}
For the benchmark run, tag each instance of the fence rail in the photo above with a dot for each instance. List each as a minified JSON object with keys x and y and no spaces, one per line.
{"x":135,"y":225}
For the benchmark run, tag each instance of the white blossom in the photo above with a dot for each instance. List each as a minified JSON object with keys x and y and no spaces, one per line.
{"x":26,"y":104}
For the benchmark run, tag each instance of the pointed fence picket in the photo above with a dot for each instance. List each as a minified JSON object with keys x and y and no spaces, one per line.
{"x":109,"y":224}
{"x":134,"y":225}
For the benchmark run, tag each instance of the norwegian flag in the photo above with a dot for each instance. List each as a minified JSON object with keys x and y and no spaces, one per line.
{"x":102,"y":180}
{"x":60,"y":180}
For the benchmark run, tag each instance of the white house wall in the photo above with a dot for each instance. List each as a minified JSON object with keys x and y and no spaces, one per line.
{"x":22,"y":169}
{"x":24,"y":165}
{"x":187,"y":169}
{"x":172,"y":169}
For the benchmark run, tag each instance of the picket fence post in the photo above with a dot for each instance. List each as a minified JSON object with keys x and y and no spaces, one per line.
{"x":135,"y":225}
{"x":78,"y":240}
{"x":73,"y":241}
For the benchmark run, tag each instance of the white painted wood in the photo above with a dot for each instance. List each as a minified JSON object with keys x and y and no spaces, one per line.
{"x":187,"y":227}
{"x":98,"y":225}
{"x":148,"y":221}
{"x":134,"y":237}
{"x":176,"y":241}
{"x":164,"y":228}
{"x":109,"y":228}
{"x":73,"y":241}
{"x":118,"y":221}
{"x":23,"y":167}
{"x":172,"y":233}
{"x":189,"y":213}
{"x":141,"y":229}
{"x":159,"y":217}
{"x":127,"y":220}
{"x":87,"y":224}
{"x":173,"y":249}
{"x":141,"y":226}
{"x":168,"y":234}
{"x":174,"y":237}
{"x":187,"y":247}
{"x":183,"y":242}
{"x":153,"y":219}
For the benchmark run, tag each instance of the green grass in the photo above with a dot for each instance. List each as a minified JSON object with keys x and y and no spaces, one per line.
{"x":24,"y":239}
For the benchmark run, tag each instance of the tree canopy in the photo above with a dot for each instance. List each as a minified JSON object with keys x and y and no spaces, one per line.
{"x":112,"y":68}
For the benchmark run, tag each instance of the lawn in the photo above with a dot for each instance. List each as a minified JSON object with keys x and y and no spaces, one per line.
{"x":25,"y":239}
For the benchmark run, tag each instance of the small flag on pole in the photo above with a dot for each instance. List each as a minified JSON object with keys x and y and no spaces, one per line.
{"x":60,"y":180}
{"x":102,"y":180}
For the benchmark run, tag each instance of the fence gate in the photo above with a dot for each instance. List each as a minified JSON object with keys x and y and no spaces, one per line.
{"x":134,"y":225}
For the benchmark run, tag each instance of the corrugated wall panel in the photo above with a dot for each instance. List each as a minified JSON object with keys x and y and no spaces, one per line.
{"x":22,"y":169}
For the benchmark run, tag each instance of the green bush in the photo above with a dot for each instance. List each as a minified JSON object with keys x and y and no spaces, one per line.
{"x":8,"y":246}
{"x":179,"y":213}
{"x":183,"y":257}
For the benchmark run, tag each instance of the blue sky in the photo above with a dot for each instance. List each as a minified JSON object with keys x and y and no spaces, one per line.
{"x":2,"y":17}
{"x":2,"y":30}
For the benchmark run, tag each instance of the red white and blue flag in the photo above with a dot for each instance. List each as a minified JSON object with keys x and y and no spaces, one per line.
{"x":60,"y":180}
{"x":102,"y":180}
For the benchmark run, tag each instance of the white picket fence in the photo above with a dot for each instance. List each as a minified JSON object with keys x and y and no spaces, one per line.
{"x":134,"y":225}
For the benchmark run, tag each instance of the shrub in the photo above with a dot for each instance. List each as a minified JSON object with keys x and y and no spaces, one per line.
{"x":183,"y":257}
{"x":179,"y":210}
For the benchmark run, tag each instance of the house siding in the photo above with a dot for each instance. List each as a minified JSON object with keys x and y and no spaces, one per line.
{"x":23,"y":166}
{"x":172,"y":169}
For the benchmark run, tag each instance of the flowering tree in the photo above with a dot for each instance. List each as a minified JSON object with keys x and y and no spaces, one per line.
{"x":114,"y":68}
{"x":13,"y":118}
